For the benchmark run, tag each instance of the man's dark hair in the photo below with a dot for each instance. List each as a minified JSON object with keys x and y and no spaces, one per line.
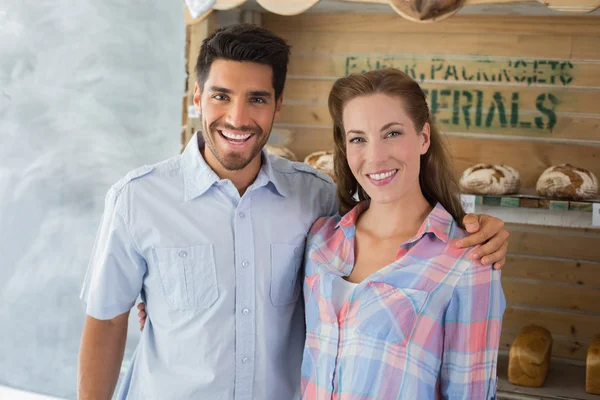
{"x":245,"y":42}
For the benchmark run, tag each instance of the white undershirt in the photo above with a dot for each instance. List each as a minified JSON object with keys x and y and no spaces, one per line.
{"x":341,"y":292}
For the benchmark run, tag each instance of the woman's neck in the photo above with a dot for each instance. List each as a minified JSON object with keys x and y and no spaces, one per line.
{"x":402,"y":218}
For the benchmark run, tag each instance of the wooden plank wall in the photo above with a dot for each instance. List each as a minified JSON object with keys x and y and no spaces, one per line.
{"x":523,"y":91}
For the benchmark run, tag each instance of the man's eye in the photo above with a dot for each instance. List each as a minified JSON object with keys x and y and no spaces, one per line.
{"x":257,"y":100}
{"x":220,"y":97}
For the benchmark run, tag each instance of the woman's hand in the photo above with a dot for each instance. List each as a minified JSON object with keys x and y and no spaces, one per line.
{"x":142,"y":315}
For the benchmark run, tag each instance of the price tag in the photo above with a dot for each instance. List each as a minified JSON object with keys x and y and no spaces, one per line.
{"x":468,"y":202}
{"x":596,"y":216}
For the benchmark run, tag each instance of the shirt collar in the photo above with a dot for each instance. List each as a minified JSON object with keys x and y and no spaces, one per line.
{"x":198,"y":176}
{"x":438,"y":222}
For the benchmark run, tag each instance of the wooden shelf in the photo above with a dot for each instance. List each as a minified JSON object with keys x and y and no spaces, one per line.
{"x":529,"y":199}
{"x":530,"y":209}
{"x":564,"y":381}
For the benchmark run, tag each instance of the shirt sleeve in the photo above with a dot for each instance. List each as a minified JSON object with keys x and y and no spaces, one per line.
{"x":116,"y":269}
{"x":332,"y":204}
{"x":472,"y":326}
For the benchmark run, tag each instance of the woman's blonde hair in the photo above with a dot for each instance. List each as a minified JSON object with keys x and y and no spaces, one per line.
{"x":436,"y":175}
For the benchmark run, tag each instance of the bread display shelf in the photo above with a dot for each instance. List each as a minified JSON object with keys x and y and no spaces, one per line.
{"x":527,"y":198}
{"x":565,"y":381}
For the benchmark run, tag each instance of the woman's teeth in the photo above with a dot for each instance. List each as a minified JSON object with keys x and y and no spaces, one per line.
{"x":382,"y":175}
{"x":233,"y":136}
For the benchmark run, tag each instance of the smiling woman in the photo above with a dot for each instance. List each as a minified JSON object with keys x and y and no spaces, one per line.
{"x":387,"y":291}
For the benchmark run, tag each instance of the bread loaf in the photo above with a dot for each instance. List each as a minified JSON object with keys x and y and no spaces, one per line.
{"x":281,"y":151}
{"x":529,"y":357}
{"x":592,"y":368}
{"x":490,"y":179}
{"x":567,"y":182}
{"x":322,"y":161}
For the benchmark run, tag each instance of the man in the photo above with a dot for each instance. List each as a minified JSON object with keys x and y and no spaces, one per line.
{"x":213,"y":240}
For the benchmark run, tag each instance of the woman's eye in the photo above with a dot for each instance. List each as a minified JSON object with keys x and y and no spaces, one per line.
{"x":394,"y":134}
{"x":357,"y":140}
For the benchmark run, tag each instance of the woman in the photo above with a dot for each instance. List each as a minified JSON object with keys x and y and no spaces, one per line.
{"x":394,"y":310}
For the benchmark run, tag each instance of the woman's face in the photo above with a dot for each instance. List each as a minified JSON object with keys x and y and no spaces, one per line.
{"x":383,"y":147}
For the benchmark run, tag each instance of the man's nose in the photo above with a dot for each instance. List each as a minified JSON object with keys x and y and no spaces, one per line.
{"x":237,"y":115}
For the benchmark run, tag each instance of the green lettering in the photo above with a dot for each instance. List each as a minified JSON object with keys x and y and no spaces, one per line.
{"x":497,"y":103}
{"x":479,"y":108}
{"x":514,"y":110}
{"x":435,"y":68}
{"x":451,"y":71}
{"x":456,"y":108}
{"x":467,"y":108}
{"x":548,"y":112}
{"x":350,"y":65}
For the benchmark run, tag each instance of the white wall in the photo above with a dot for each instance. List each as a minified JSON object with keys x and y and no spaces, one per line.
{"x":88,"y":91}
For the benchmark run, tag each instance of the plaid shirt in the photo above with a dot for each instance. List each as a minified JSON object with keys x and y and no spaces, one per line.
{"x":426,"y":326}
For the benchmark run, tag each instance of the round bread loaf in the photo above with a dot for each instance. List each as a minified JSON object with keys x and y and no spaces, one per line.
{"x":567,"y":182}
{"x":321,"y":161}
{"x":281,"y":151}
{"x":490,"y":179}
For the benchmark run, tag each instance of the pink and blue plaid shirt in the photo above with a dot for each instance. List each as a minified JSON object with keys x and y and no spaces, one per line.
{"x":426,"y":326}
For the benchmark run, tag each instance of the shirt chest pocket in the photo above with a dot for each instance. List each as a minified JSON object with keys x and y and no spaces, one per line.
{"x":389,"y":313}
{"x":188,"y":276}
{"x":286,"y":260}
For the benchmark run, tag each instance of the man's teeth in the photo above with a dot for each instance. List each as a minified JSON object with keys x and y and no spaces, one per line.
{"x":383,"y":175}
{"x":233,"y":136}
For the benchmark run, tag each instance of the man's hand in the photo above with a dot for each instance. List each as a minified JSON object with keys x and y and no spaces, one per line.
{"x":142,"y":315}
{"x":489,"y":235}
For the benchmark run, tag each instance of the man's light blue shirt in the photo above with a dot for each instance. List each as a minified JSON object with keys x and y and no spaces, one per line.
{"x":220,"y":274}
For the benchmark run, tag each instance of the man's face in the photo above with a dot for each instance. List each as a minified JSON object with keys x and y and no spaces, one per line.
{"x":238,"y":107}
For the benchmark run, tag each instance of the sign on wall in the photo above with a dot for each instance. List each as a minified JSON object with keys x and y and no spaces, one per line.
{"x":465,"y":93}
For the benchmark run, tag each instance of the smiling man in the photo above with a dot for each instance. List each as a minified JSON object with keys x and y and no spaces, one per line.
{"x":213,"y":240}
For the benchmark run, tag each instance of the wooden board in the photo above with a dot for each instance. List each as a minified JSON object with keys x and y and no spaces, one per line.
{"x":581,"y":327}
{"x":564,"y":297}
{"x":196,"y":34}
{"x":316,"y":92}
{"x":430,"y":43}
{"x":389,"y":24}
{"x":580,"y":244}
{"x":478,"y":71}
{"x":555,"y":270}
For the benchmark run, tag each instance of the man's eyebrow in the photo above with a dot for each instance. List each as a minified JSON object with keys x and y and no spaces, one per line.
{"x":260,"y":93}
{"x":220,"y":89}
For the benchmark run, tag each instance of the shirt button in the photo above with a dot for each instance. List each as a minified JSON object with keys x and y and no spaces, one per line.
{"x":242,"y":214}
{"x":245,"y":263}
{"x":182,"y":254}
{"x":245,"y":311}
{"x":245,"y":360}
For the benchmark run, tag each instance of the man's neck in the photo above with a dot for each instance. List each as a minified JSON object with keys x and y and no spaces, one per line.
{"x":241,"y":179}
